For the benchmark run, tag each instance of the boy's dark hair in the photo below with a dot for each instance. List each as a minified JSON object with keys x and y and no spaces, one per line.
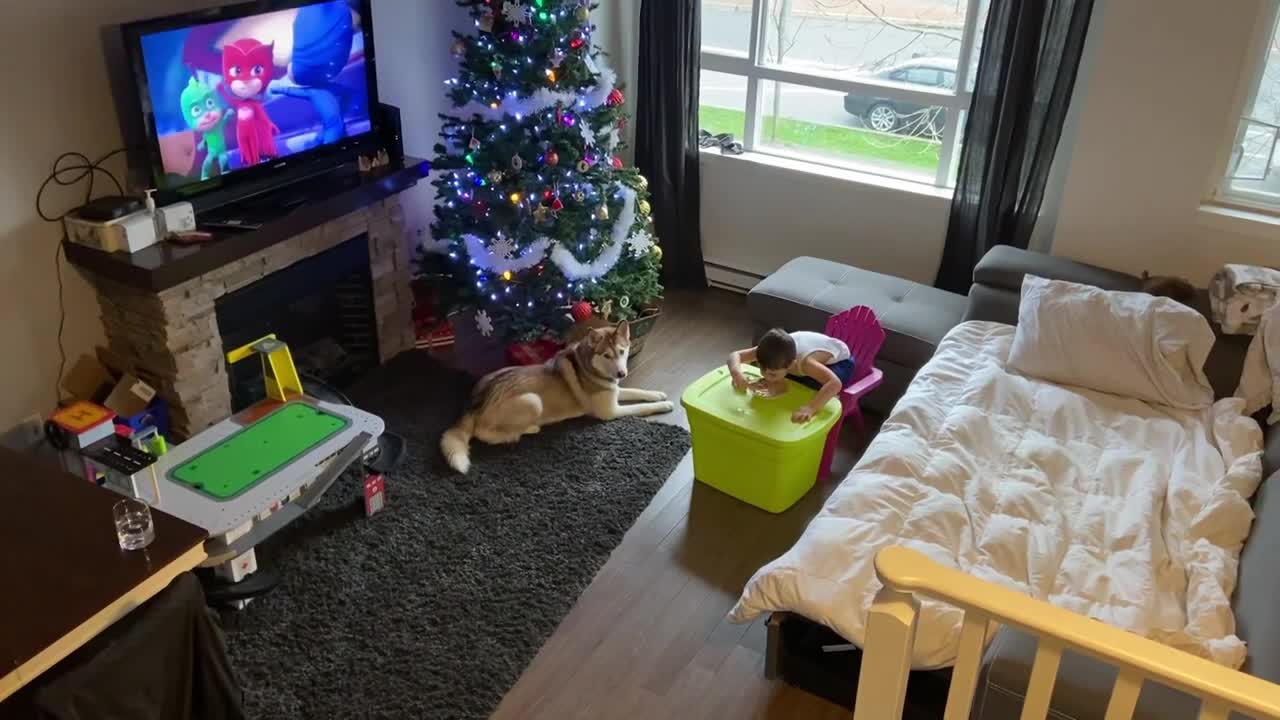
{"x":776,"y":350}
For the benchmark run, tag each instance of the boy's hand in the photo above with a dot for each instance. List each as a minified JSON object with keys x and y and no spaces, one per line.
{"x":740,"y":381}
{"x":803,"y":414}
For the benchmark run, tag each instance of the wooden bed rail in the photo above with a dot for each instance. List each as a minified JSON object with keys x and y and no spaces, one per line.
{"x":886,"y":658}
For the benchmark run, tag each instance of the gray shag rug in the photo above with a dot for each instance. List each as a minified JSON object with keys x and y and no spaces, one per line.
{"x":433,"y":607}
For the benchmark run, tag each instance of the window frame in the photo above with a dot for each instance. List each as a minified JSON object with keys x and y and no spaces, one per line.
{"x":1220,"y":191}
{"x":751,"y":66}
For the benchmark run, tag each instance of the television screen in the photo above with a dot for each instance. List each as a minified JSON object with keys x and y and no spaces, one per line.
{"x":232,"y":94}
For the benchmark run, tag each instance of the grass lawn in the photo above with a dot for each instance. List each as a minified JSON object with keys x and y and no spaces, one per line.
{"x":913,"y":153}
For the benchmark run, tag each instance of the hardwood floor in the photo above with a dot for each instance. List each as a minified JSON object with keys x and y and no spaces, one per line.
{"x":649,"y":638}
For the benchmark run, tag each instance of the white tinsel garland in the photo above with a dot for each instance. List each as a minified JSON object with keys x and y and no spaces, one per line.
{"x":544,"y":99}
{"x":575,"y":269}
{"x":485,"y":258}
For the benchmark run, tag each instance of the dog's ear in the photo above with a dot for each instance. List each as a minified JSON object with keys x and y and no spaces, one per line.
{"x":595,"y":336}
{"x":623,"y":332}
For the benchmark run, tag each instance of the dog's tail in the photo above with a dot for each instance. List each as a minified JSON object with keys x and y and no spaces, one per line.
{"x":456,"y":442}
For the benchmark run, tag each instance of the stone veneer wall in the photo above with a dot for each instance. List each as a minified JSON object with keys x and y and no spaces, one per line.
{"x":170,"y":338}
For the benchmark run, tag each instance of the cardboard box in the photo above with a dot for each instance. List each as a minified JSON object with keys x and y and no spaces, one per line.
{"x":98,"y":379}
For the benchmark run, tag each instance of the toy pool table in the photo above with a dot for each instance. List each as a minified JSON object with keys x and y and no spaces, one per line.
{"x":250,"y":475}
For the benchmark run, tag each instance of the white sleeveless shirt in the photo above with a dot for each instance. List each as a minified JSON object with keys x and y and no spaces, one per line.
{"x":808,"y":343}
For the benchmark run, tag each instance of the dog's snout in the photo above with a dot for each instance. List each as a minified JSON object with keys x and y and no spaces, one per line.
{"x":622,"y":374}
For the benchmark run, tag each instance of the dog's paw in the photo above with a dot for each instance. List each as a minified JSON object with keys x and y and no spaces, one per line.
{"x":659,"y":395}
{"x":666,"y":406}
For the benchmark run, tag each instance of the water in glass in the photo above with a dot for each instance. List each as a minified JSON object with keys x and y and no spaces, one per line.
{"x":133,"y":524}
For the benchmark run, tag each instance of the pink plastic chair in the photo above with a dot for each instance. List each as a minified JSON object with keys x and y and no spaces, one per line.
{"x":861,"y":331}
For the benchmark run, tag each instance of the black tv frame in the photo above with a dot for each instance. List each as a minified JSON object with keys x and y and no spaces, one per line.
{"x":144,"y":149}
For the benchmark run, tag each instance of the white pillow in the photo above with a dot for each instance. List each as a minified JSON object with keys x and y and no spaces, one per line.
{"x":1124,"y":343}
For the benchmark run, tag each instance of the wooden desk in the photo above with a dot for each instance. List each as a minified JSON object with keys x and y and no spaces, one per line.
{"x":64,"y":577}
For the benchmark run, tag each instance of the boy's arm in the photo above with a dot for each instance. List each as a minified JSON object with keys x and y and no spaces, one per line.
{"x":830,"y":388}
{"x":736,"y":358}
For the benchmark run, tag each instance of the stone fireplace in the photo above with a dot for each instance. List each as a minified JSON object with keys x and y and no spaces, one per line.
{"x":171,"y":337}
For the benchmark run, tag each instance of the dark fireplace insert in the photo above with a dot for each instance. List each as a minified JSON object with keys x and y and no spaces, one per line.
{"x":321,"y":306}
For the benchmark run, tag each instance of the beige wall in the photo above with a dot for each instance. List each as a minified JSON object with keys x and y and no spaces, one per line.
{"x":56,"y":98}
{"x":1154,"y":113}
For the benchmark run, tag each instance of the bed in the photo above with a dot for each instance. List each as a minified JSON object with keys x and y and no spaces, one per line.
{"x":1129,"y":511}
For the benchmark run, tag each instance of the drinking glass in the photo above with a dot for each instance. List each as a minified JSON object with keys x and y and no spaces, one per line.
{"x":134,"y":529}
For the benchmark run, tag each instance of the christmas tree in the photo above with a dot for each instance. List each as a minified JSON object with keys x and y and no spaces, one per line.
{"x":539,"y":213}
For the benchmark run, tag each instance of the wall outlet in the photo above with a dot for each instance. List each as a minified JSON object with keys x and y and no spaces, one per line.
{"x":26,"y":435}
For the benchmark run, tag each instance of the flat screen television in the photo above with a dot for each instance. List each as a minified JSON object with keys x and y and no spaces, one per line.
{"x":245,"y":95}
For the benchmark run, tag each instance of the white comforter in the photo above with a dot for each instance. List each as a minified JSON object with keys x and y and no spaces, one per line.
{"x":1129,"y":513}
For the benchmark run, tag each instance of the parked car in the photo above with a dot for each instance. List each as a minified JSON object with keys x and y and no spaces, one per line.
{"x":884,"y":114}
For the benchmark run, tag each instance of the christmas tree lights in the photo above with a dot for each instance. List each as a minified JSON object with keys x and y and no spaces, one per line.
{"x":538,"y":210}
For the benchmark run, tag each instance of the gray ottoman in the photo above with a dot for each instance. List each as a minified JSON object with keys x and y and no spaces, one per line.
{"x":806,"y":291}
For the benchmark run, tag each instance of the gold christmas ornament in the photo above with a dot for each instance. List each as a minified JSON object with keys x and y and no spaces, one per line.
{"x":656,"y":250}
{"x":602,"y":212}
{"x":579,"y":197}
{"x":642,"y":182}
{"x":644,"y":207}
{"x":494,"y":176}
{"x":542,"y":213}
{"x":583,"y":13}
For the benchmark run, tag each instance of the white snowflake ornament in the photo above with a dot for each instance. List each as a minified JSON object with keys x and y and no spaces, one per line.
{"x":484,"y":323}
{"x":503,"y":248}
{"x":517,"y":13}
{"x":640,"y":243}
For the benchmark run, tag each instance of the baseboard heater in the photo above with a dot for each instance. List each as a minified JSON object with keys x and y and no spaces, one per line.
{"x":731,"y":279}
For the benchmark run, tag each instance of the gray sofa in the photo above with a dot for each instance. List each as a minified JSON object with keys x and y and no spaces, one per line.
{"x":1083,"y":685}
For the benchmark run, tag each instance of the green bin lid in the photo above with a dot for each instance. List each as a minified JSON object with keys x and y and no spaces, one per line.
{"x":768,"y":420}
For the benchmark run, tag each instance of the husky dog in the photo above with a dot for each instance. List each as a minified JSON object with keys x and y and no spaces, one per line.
{"x":580,"y":380}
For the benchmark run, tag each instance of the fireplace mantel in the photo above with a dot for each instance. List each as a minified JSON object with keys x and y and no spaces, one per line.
{"x":167,"y":265}
{"x":158,"y":311}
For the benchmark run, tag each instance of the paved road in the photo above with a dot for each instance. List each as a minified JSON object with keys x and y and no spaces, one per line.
{"x":832,"y":44}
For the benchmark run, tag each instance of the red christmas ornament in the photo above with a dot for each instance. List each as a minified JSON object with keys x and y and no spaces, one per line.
{"x":615,"y":98}
{"x":622,"y":123}
{"x":577,"y":41}
{"x":581,"y":311}
{"x":547,"y":195}
{"x":557,"y":205}
{"x":616,"y":162}
{"x":552,"y":158}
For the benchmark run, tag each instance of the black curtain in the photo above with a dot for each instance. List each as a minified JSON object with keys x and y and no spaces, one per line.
{"x":667,"y":132}
{"x":1026,"y":71}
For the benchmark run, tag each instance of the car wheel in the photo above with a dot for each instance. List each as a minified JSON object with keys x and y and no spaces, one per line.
{"x":881,"y":117}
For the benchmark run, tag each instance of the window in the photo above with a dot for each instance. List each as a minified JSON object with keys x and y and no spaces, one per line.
{"x":880,"y":86}
{"x":1252,"y":176}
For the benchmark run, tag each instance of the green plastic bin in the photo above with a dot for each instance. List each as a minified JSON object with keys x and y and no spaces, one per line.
{"x":747,"y":446}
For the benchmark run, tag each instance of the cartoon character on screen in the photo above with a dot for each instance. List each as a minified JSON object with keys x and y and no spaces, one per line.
{"x":322,"y":38}
{"x":247,"y":69}
{"x":206,"y":114}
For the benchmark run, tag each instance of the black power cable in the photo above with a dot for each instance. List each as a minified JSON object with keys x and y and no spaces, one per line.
{"x":70,"y":168}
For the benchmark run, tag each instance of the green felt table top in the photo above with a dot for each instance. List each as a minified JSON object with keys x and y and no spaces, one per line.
{"x":259,"y":450}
